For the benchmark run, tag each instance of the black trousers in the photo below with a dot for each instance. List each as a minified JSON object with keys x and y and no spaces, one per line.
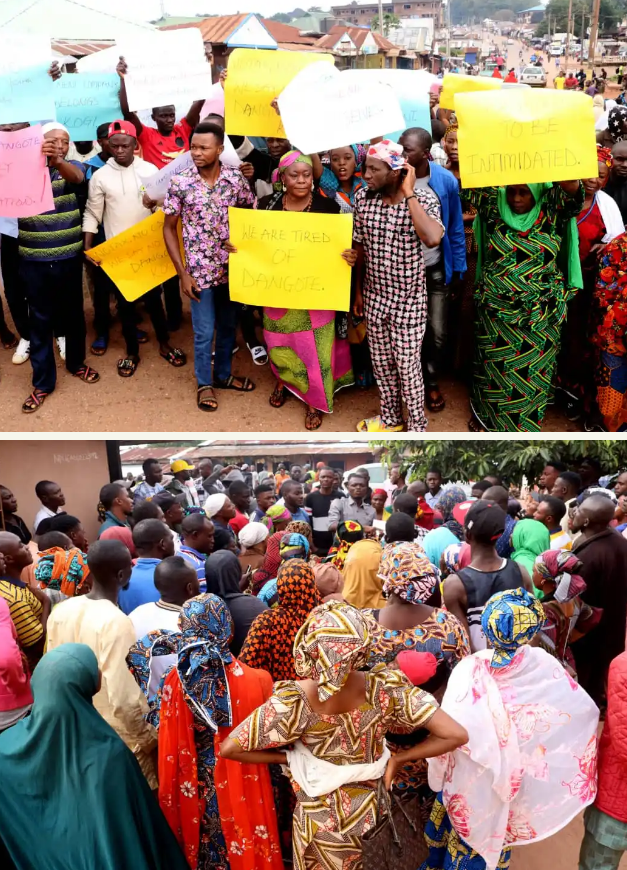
{"x":104,"y":286}
{"x":13,"y":285}
{"x":53,"y":287}
{"x":173,"y":302}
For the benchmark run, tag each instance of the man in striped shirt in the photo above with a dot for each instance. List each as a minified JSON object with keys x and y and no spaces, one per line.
{"x":29,"y":607}
{"x":51,"y":271}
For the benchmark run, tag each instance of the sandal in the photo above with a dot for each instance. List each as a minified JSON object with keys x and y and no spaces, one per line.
{"x":99,"y":345}
{"x":175,"y":357}
{"x":435,"y":402}
{"x":259,"y":354}
{"x":128,"y":366}
{"x":278,"y":396}
{"x":313,"y":420}
{"x":34,"y":401}
{"x":87,"y":374}
{"x":206,"y":403}
{"x":242,"y":385}
{"x":375,"y":424}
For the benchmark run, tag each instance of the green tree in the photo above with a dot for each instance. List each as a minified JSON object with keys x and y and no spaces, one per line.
{"x":473,"y":460}
{"x":610,"y":14}
{"x":283,"y":17}
{"x":389,"y":20}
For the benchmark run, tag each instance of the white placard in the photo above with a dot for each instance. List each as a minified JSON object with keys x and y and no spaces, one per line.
{"x":167,"y":67}
{"x":156,"y":185}
{"x":341,"y":110}
{"x":23,"y":50}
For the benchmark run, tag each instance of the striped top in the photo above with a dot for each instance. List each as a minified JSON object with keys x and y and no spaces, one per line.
{"x":57,"y":234}
{"x":25,"y":610}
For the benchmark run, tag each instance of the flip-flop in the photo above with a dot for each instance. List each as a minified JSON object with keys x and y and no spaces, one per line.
{"x":259,"y":354}
{"x":127,"y":367}
{"x":175,"y":357}
{"x":313,"y":420}
{"x":375,"y":424}
{"x":99,"y":346}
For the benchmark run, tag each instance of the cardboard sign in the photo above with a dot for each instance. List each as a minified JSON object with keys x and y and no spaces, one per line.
{"x":136,"y":260}
{"x":525,"y":136}
{"x":412,"y":89}
{"x":255,"y":79}
{"x":290,"y":260}
{"x":454,"y":83}
{"x":341,"y":110}
{"x":25,"y":186}
{"x":168,"y":67}
{"x":84,"y":101}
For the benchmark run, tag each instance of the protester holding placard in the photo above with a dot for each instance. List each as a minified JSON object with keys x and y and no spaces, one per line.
{"x":115,"y":200}
{"x":200,"y":197}
{"x":392,"y":218}
{"x":51,"y":270}
{"x":524,"y":233}
{"x":442,"y":263}
{"x":300,"y":339}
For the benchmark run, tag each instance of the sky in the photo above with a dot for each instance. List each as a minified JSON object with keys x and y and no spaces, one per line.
{"x":144,"y":10}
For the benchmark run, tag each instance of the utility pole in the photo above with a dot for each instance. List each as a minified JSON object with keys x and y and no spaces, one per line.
{"x":549,"y":30}
{"x":381,"y":17}
{"x":448,"y":29}
{"x":594,"y":33}
{"x":568,"y":32}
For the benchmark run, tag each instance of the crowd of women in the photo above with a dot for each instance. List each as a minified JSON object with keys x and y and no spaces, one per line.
{"x":278,"y":734}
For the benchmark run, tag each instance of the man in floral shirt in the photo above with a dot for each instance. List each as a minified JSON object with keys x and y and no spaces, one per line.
{"x":200,"y":196}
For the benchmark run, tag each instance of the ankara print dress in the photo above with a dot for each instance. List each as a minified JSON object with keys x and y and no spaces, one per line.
{"x":520,"y":307}
{"x":327,"y":829}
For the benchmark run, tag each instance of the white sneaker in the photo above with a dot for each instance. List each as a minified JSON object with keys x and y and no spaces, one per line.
{"x":22,"y":352}
{"x":61,"y":346}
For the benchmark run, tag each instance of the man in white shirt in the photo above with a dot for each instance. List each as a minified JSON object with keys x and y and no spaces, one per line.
{"x":52,"y":500}
{"x":177,"y":582}
{"x":151,"y":485}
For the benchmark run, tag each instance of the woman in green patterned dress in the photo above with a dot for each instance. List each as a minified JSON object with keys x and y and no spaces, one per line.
{"x":527,"y":270}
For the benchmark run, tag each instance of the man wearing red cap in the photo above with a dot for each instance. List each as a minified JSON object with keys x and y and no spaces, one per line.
{"x":115,"y":199}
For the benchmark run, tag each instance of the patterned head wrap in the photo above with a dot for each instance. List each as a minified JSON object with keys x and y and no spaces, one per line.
{"x":206,"y":628}
{"x":348,"y":533}
{"x":451,"y":557}
{"x":509,"y":620}
{"x":270,"y":566}
{"x":452,"y":128}
{"x":389,"y":152}
{"x":381,"y":492}
{"x":62,"y":570}
{"x":454,"y":495}
{"x":406,"y":571}
{"x":292,"y":546}
{"x":604,"y":155}
{"x":275,"y":513}
{"x":616,"y":121}
{"x":559,"y":567}
{"x":334,"y":641}
{"x":300,"y":527}
{"x":288,"y":159}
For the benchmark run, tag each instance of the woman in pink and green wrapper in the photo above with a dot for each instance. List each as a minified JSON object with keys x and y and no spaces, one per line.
{"x":306,"y":356}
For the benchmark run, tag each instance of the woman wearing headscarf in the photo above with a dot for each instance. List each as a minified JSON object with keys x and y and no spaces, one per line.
{"x":527,"y":271}
{"x":362,"y":586}
{"x":306,"y":356}
{"x":555,"y":574}
{"x":277,"y":518}
{"x":253,"y":539}
{"x":609,"y":336}
{"x":271,"y":637}
{"x":270,"y":565}
{"x":529,"y":539}
{"x":73,"y":795}
{"x":407,"y":622}
{"x":292,"y":546}
{"x":223,"y":816}
{"x":598,"y":223}
{"x":329,"y":581}
{"x":451,"y":532}
{"x":336,"y":717}
{"x":62,"y":573}
{"x":348,"y":533}
{"x":120,"y":533}
{"x":300,"y":527}
{"x":617,"y":123}
{"x":529,"y":766}
{"x":223,"y":574}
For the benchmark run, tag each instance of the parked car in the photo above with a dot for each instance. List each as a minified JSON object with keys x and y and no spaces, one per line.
{"x":510,"y":42}
{"x":377,"y":471}
{"x":534,"y":76}
{"x":556,"y":51}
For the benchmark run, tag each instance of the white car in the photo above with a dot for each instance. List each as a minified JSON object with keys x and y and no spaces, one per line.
{"x":510,"y":42}
{"x":534,"y":76}
{"x":377,"y":471}
{"x":557,"y":51}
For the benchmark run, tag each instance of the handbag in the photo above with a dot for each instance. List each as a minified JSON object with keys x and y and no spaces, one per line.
{"x":397,"y":840}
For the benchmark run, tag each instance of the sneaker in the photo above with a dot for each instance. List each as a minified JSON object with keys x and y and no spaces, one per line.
{"x":61,"y":345}
{"x":22,"y":352}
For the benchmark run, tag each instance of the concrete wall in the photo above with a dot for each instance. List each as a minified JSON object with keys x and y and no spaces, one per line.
{"x":79,"y":467}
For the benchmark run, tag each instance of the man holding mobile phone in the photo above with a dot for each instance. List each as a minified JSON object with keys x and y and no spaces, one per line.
{"x":200,"y":197}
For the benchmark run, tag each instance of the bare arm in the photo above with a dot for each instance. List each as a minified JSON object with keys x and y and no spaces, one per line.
{"x":446,"y":735}
{"x":231,"y":750}
{"x":570,"y":188}
{"x":193,"y":116}
{"x":526,"y":579}
{"x":121,"y":70}
{"x":456,"y":600}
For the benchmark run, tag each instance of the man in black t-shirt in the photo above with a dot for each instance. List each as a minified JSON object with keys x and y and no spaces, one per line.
{"x":318,"y":504}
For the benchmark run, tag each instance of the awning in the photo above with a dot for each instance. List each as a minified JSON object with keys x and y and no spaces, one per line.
{"x":393,"y":52}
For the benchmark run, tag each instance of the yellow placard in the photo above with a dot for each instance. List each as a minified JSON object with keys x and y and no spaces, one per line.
{"x":256,"y":77}
{"x":454,"y":83}
{"x":524,"y":136}
{"x":136,"y":260}
{"x":290,"y":260}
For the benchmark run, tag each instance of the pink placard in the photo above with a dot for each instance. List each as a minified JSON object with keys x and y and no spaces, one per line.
{"x":25,"y":187}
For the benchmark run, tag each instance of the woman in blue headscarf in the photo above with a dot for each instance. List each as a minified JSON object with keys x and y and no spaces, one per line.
{"x":528,"y":269}
{"x":221,"y":814}
{"x":73,"y":795}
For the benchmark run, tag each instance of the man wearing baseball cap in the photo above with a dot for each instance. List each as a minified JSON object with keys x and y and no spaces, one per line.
{"x":181,"y":472}
{"x":468,"y":591}
{"x":115,"y":199}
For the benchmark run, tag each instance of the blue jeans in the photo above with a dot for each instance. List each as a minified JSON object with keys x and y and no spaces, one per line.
{"x":214,"y":312}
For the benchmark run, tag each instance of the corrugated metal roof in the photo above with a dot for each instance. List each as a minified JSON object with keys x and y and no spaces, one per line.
{"x":80,"y":49}
{"x":219,"y":29}
{"x":358,"y":36}
{"x":226,"y":449}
